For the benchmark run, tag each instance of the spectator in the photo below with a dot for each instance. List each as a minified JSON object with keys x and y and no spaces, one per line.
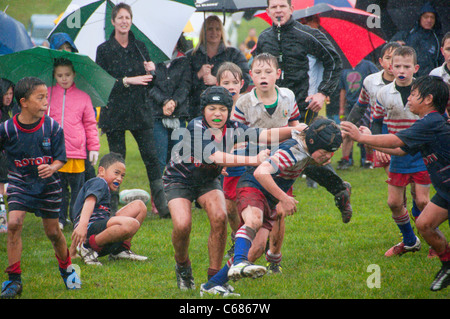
{"x":425,"y":38}
{"x":126,"y":59}
{"x":206,"y":58}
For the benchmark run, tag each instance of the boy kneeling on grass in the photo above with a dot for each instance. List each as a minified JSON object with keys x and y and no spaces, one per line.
{"x":262,"y":198}
{"x":97,"y":234}
{"x":430,"y":136}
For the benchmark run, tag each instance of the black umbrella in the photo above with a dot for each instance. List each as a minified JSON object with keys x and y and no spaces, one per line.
{"x":229,"y":5}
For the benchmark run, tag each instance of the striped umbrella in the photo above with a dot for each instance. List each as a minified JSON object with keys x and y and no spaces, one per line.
{"x":158,"y":23}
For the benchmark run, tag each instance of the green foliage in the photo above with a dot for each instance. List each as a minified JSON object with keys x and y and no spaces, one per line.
{"x":322,"y":257}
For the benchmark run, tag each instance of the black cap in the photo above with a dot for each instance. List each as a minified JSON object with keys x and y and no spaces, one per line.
{"x":216,"y":95}
{"x":323,"y":134}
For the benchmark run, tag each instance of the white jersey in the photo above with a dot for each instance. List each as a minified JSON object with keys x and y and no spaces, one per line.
{"x":390,"y":107}
{"x":441,"y":72}
{"x":252,"y":112}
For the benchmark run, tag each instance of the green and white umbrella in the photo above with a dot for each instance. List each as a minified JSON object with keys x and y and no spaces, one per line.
{"x":158,"y":23}
{"x":38,"y":62}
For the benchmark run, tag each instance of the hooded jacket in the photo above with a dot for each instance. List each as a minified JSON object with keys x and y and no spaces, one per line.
{"x":73,"y":110}
{"x":427,"y":43}
{"x":296,"y":42}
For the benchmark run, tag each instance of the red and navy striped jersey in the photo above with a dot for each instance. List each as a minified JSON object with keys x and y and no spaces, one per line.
{"x":190,"y":164}
{"x":26,"y":149}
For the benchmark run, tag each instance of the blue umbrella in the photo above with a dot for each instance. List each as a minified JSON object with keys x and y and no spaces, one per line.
{"x":13,"y":35}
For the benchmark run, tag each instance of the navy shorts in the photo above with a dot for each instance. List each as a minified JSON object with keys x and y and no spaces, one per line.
{"x":98,"y":226}
{"x":440,"y":201}
{"x":191,"y":193}
{"x":41,"y":207}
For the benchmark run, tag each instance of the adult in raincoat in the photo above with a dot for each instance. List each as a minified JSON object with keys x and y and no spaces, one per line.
{"x":206,"y":58}
{"x":127,"y":59}
{"x":425,"y":37}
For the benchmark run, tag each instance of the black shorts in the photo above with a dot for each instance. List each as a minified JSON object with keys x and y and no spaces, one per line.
{"x":15,"y":205}
{"x":96,"y":228}
{"x":191,"y":193}
{"x":440,"y":201}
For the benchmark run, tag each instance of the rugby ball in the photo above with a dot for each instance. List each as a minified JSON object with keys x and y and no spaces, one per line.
{"x":128,"y":195}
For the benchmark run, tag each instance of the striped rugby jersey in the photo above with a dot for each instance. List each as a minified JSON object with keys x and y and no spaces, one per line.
{"x":289,"y":159}
{"x":26,"y":149}
{"x":397,"y":117}
{"x":368,"y":95}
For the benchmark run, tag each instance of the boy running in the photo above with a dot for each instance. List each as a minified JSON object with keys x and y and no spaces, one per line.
{"x":428,"y":137}
{"x":34,"y":144}
{"x":262,"y":198}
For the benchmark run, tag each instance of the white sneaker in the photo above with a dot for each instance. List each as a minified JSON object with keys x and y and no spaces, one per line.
{"x":217,"y":291}
{"x":246,"y":269}
{"x":88,"y":255}
{"x":127,"y":254}
{"x":128,"y":195}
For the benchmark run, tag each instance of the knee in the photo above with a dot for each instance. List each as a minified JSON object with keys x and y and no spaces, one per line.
{"x":421,"y":202}
{"x":423,"y":225}
{"x":394,"y":205}
{"x":219,"y":219}
{"x":53,"y":233}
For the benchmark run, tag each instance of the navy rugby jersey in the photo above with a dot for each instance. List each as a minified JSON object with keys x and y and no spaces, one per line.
{"x":291,"y":159}
{"x":26,"y":149}
{"x":430,"y":137}
{"x":190,"y":164}
{"x":97,"y":187}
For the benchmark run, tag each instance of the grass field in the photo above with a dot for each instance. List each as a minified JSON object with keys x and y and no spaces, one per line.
{"x":322,"y":257}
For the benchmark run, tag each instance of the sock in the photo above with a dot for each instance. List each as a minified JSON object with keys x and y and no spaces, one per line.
{"x":211,"y":272}
{"x":346,"y":158}
{"x":403,"y":223}
{"x":93,"y":244}
{"x":415,"y":210}
{"x":64,"y":264}
{"x":445,"y":256}
{"x":273,"y":258}
{"x":14,"y":272}
{"x":244,"y":239}
{"x":221,"y":277}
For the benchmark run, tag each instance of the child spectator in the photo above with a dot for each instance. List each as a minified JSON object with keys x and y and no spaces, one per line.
{"x":96,"y":233}
{"x":34,"y":144}
{"x":73,"y":110}
{"x":429,"y":137}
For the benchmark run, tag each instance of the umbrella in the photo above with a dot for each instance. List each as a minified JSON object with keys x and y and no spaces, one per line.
{"x":347,"y":29}
{"x":38,"y":62}
{"x":13,"y":35}
{"x":158,"y":23}
{"x":229,"y":5}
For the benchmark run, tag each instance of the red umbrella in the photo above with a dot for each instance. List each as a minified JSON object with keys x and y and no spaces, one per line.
{"x":347,"y":28}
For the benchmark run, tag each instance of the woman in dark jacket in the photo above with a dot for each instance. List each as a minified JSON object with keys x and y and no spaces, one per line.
{"x":169,"y":98}
{"x":125,"y":58}
{"x":206,"y":58}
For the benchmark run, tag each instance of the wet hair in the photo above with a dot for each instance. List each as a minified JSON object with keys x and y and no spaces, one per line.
{"x":435,"y":86}
{"x":230,"y":67}
{"x":110,"y":159}
{"x":25,"y":87}
{"x":288,"y":1}
{"x":266,"y":58}
{"x":5,"y":84}
{"x":445,"y":38}
{"x":62,"y":62}
{"x":405,"y":51}
{"x":117,"y":7}
{"x":393,"y":45}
